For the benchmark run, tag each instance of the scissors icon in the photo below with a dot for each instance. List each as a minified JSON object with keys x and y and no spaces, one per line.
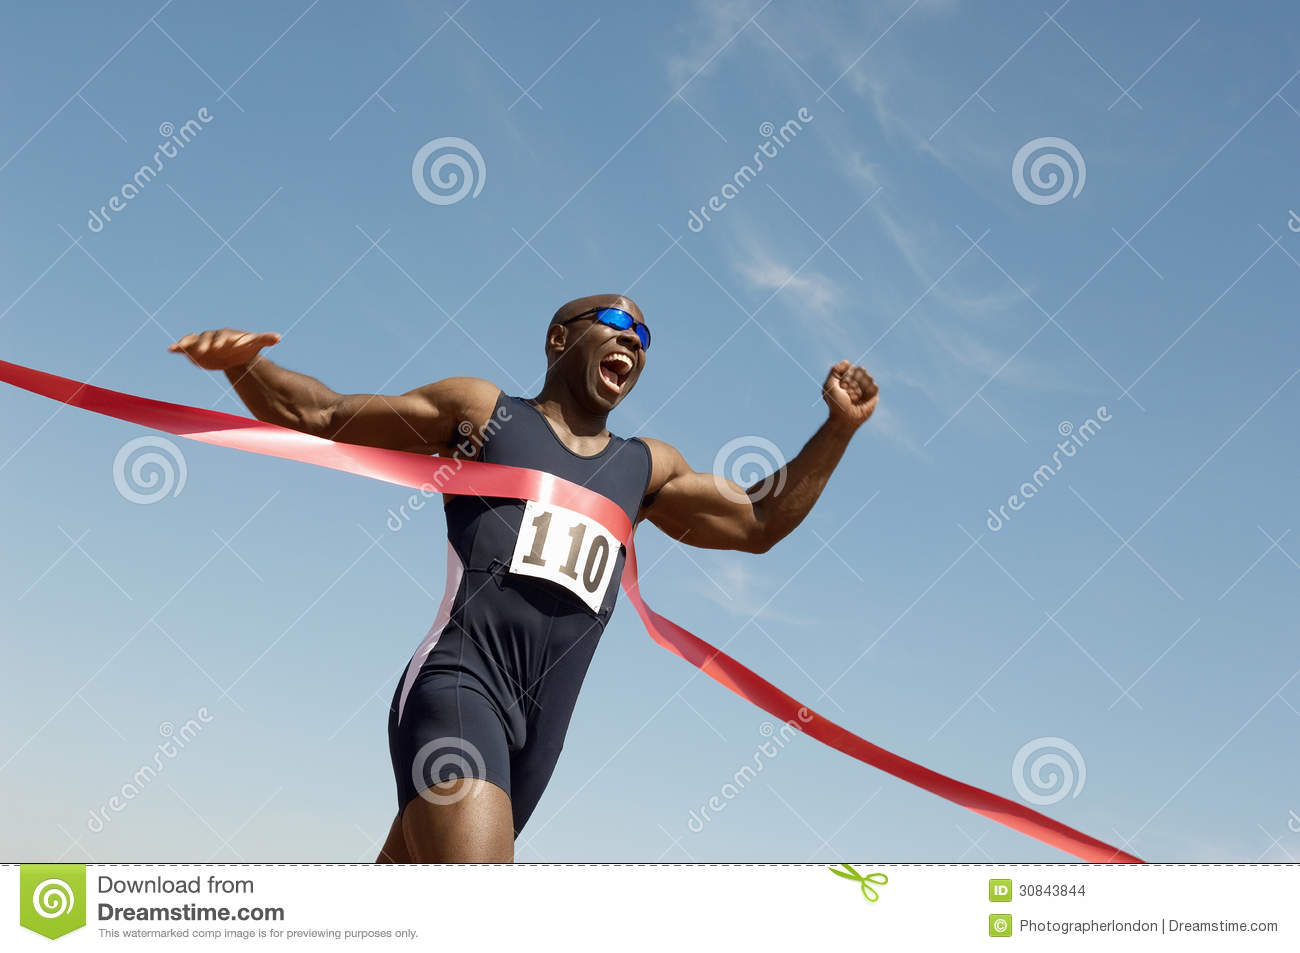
{"x":868,"y":891}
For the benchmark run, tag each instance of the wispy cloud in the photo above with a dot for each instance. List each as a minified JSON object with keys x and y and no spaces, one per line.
{"x":953,"y":311}
{"x":969,"y":351}
{"x":821,"y":305}
{"x":855,"y":165}
{"x":916,"y":244}
{"x":825,"y":309}
{"x":889,"y":423}
{"x":715,"y":23}
{"x":719,"y":23}
{"x":739,"y":590}
{"x":763,"y":272}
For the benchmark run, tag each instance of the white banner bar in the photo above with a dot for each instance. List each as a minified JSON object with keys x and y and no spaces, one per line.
{"x":653,"y":906}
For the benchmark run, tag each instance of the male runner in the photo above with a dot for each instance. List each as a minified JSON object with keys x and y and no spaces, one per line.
{"x":480,"y":714}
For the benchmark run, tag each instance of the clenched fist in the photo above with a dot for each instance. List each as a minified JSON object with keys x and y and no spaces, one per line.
{"x":850,"y":393}
{"x":219,"y":350}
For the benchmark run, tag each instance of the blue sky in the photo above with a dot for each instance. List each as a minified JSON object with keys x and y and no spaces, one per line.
{"x":1141,"y":606}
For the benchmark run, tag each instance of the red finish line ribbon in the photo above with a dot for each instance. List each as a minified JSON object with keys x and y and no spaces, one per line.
{"x":475,"y":478}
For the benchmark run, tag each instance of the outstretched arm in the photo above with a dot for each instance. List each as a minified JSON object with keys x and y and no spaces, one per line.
{"x":712,"y":512}
{"x":423,"y":420}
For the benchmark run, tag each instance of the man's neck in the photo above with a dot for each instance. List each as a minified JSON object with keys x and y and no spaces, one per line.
{"x":559,"y":404}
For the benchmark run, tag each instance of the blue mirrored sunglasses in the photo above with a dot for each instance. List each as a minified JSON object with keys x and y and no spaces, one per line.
{"x":618,"y":319}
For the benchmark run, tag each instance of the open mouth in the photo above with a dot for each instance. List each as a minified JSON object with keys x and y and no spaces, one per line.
{"x":614,"y":370}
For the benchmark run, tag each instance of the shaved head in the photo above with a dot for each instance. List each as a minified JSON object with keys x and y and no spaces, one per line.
{"x":579,"y":305}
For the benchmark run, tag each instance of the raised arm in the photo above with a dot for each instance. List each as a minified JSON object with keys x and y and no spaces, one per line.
{"x":713,"y":512}
{"x":423,"y":420}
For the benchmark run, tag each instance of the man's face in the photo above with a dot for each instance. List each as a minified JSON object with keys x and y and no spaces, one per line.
{"x":603,"y":363}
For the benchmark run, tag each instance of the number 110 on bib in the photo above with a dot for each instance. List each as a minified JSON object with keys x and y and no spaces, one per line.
{"x":566,"y":548}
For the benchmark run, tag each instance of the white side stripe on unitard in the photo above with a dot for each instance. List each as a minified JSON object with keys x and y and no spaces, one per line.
{"x":455,"y":570}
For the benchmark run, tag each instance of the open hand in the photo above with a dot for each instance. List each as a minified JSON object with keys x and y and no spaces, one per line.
{"x":850,"y":393}
{"x":219,"y":350}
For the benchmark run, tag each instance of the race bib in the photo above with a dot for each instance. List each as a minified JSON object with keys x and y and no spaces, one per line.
{"x":566,"y":548}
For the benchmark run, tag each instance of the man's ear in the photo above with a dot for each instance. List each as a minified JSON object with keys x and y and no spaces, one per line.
{"x":557,"y":336}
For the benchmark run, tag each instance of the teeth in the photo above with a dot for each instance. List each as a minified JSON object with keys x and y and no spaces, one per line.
{"x":624,"y":361}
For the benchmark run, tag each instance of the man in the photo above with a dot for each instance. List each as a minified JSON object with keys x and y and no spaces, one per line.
{"x":479,"y":717}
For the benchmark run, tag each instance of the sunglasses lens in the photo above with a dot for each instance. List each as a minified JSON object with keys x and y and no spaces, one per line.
{"x":615,"y":318}
{"x":621,"y":320}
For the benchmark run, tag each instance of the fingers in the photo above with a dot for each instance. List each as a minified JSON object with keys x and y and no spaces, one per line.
{"x":863,"y":383}
{"x":850,"y":392}
{"x":253,"y":339}
{"x":192,"y":345}
{"x":855,"y":381}
{"x":834,"y":377}
{"x":216,"y":349}
{"x":203,"y":347}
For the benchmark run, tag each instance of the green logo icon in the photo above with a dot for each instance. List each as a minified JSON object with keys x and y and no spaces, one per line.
{"x":1000,"y":891}
{"x":868,"y":891}
{"x":999,"y":924}
{"x":52,"y":898}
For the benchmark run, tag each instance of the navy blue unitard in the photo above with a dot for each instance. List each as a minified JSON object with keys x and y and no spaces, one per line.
{"x":489,"y":692}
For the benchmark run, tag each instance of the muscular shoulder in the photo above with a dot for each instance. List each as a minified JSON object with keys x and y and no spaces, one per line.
{"x":666,"y":462}
{"x":462,"y":398}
